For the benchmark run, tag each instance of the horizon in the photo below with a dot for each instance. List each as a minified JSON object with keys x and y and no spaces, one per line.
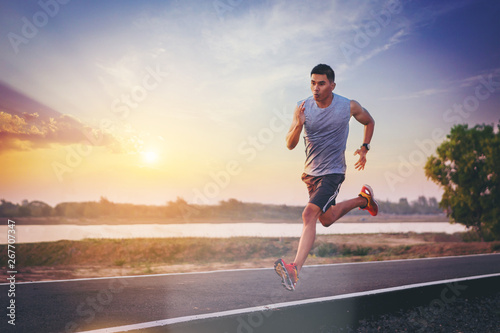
{"x":53,"y":205}
{"x":154,"y":100}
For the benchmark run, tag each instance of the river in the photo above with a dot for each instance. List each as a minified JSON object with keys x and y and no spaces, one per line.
{"x":50,"y":233}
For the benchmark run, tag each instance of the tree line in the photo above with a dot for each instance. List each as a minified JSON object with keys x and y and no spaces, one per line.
{"x":230,"y":209}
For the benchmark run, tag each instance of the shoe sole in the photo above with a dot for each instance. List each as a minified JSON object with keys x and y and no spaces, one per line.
{"x":372,"y":198}
{"x":279,"y":267}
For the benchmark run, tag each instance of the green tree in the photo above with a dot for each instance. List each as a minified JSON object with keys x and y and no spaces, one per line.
{"x":467,"y":167}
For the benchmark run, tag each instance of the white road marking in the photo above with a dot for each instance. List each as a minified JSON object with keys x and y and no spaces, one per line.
{"x":275,"y":306}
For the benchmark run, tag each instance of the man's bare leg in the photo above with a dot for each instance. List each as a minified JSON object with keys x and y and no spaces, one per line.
{"x":311,"y":214}
{"x":340,"y":209}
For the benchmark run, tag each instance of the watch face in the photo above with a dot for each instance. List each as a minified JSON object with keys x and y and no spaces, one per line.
{"x":367,"y":145}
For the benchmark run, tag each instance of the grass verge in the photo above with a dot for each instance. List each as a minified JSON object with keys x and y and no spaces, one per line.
{"x":111,"y":257}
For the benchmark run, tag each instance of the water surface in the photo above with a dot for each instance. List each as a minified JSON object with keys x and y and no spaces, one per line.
{"x":48,"y":233}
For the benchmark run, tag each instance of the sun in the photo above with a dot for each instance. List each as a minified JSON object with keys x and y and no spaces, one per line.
{"x":150,"y":157}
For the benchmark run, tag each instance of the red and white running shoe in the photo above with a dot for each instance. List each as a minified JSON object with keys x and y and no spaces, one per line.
{"x":372,"y":206}
{"x":288,"y":274}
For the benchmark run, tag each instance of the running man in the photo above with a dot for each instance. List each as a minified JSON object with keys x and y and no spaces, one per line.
{"x":325,"y":116}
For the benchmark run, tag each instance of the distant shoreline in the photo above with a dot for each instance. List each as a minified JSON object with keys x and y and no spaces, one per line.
{"x":382,"y":218}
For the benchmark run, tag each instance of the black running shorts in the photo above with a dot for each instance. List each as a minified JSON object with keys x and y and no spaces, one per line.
{"x":323,"y":190}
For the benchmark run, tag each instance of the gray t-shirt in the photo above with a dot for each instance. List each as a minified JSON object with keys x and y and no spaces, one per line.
{"x":325,"y":136}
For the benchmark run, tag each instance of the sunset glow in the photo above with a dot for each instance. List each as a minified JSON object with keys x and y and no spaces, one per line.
{"x":148,"y":101}
{"x":150,"y":157}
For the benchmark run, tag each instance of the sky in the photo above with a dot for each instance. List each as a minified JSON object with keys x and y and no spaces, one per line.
{"x":147,"y":101}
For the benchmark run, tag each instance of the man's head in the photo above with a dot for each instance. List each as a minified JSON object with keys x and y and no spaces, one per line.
{"x":326,"y":70}
{"x":322,"y":84}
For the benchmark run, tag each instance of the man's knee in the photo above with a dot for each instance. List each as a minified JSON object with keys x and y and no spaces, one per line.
{"x":329,"y":217}
{"x":325,"y":221}
{"x":311,"y":213}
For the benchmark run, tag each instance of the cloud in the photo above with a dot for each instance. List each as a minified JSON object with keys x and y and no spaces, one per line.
{"x":380,"y":26}
{"x":29,"y":131}
{"x":397,"y":38}
{"x":427,"y":15}
{"x":489,"y":77}
{"x":484,"y":75}
{"x":417,"y":94}
{"x":26,"y":124}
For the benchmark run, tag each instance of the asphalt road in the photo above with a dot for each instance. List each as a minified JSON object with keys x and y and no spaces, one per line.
{"x":79,"y":305}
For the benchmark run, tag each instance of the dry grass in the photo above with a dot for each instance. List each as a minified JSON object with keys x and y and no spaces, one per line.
{"x":108,"y":257}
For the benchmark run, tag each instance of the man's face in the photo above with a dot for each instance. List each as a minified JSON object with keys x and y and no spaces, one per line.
{"x":321,"y":87}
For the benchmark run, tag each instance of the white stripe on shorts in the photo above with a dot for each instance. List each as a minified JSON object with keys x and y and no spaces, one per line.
{"x":332,"y":198}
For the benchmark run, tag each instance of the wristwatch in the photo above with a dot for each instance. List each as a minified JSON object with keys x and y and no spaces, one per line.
{"x":366,"y":145}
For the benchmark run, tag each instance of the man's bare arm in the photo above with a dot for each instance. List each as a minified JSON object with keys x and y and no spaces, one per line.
{"x":362,"y":116}
{"x":293,"y":135}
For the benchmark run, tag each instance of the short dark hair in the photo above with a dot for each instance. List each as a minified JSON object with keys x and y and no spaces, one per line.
{"x":324,"y":69}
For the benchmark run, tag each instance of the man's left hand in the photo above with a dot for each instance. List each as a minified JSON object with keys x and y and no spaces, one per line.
{"x":360,"y":164}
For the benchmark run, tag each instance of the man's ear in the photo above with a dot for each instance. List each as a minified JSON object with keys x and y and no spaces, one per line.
{"x":333,"y":85}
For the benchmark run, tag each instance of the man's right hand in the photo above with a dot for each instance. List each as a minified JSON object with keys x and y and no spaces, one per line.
{"x":300,"y":117}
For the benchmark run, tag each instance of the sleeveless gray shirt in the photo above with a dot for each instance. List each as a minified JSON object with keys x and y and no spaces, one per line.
{"x":325,"y":136}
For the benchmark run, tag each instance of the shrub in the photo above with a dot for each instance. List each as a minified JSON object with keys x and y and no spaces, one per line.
{"x":495,"y":246}
{"x":361,"y":251}
{"x":119,"y":262}
{"x":326,"y":250}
